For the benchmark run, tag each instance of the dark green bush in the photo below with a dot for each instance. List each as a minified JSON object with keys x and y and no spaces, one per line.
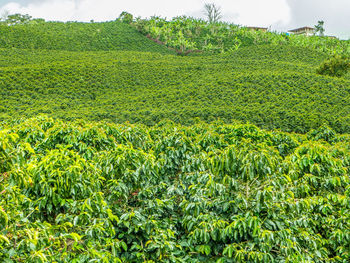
{"x":323,"y":133}
{"x":336,"y":66}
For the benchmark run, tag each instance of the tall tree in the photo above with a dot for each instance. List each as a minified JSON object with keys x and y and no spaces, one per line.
{"x":320,"y":28}
{"x":126,"y":17}
{"x":212,"y":12}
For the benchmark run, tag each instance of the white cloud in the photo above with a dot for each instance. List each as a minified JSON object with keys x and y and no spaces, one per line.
{"x":279,"y":14}
{"x":51,"y":10}
{"x":246,"y":12}
{"x":259,"y":13}
{"x":335,"y":14}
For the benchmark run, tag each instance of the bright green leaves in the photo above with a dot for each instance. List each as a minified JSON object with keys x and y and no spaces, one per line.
{"x":239,"y":254}
{"x":59,"y":177}
{"x":323,"y":133}
{"x":79,"y":192}
{"x":7,"y":149}
{"x":3,"y":218}
{"x":127,"y":172}
{"x":315,"y":164}
{"x":247,"y":162}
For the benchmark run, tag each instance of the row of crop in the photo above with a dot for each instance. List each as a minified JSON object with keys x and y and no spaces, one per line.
{"x":76,"y":192}
{"x":135,"y":87}
{"x":75,"y":36}
{"x":282,"y":56}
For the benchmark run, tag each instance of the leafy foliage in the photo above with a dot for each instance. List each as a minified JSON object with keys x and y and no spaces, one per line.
{"x":82,"y":192}
{"x":336,"y":66}
{"x":15,"y":19}
{"x":196,"y":34}
{"x":207,"y":192}
{"x":319,"y":28}
{"x":126,"y":17}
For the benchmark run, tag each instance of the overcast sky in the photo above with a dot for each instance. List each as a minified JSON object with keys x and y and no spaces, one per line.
{"x":280,"y":15}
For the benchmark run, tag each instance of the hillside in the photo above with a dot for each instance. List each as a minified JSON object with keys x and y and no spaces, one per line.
{"x":186,"y":33}
{"x":270,"y":86}
{"x":116,"y":149}
{"x":74,"y":36}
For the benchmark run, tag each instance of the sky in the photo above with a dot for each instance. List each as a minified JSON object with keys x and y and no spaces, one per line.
{"x":279,"y":15}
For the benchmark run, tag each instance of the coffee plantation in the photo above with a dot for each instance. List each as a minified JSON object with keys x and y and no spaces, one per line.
{"x":272,"y":87}
{"x":82,"y":192}
{"x":147,"y":140}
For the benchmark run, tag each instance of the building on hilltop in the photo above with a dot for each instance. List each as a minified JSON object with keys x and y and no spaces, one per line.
{"x":255,"y":28}
{"x":306,"y":31}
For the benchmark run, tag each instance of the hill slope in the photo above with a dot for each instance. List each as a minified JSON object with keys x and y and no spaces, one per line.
{"x":85,"y":191}
{"x":273,"y":87}
{"x":76,"y":36}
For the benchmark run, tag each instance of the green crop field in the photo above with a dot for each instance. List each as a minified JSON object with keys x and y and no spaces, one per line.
{"x":76,"y":36}
{"x":82,"y":192}
{"x":270,"y":86}
{"x":172,"y":141}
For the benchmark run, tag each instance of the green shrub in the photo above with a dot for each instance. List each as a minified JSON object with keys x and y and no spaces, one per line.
{"x":336,"y":66}
{"x":323,"y":133}
{"x":126,"y":17}
{"x":7,"y":149}
{"x":172,"y":193}
{"x":58,"y":179}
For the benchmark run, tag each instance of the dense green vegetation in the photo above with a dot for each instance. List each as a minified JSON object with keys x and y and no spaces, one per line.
{"x":76,"y":36}
{"x":186,"y":34}
{"x":110,"y":71}
{"x":270,"y":86}
{"x":336,"y":66}
{"x":94,"y":192}
{"x":204,"y":187}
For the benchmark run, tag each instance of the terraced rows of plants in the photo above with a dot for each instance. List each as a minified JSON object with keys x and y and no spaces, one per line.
{"x":204,"y":187}
{"x":95,"y":192}
{"x":272,"y":87}
{"x":76,"y":36}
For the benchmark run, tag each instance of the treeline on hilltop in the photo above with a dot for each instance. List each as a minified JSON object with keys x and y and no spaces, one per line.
{"x":82,"y":192}
{"x":187,"y":34}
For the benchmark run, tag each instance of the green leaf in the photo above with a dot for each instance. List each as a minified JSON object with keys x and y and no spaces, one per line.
{"x":4,"y":238}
